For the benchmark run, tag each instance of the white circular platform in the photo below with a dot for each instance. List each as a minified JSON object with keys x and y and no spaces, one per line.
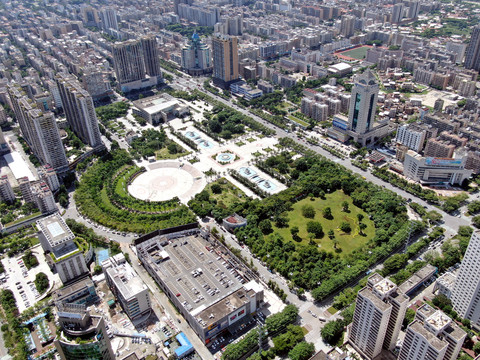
{"x":165,"y":180}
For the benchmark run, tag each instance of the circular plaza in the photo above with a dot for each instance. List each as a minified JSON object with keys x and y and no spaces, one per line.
{"x":165,"y":180}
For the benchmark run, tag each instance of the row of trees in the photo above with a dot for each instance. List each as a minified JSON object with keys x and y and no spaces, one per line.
{"x":92,"y":200}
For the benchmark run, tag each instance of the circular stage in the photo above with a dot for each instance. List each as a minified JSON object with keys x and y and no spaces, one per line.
{"x":166,"y":179}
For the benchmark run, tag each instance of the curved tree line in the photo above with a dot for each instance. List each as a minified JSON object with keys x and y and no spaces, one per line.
{"x":93,"y":201}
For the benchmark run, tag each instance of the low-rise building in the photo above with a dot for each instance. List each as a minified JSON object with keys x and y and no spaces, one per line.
{"x":207,"y":289}
{"x":79,"y":292}
{"x":432,"y":170}
{"x":241,"y":88}
{"x":159,"y":108}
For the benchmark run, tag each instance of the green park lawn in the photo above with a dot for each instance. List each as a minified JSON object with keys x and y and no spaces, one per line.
{"x":164,"y":154}
{"x":230,"y":193}
{"x":346,"y":242}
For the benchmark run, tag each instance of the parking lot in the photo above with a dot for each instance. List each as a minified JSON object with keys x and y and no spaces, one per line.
{"x":21,"y":281}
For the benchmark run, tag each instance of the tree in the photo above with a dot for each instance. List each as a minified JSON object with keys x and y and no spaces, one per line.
{"x":294,"y":231}
{"x":345,"y":206}
{"x":331,"y":234}
{"x":308,"y":211}
{"x":345,"y":227}
{"x":434,"y":216}
{"x":265,"y":226}
{"x":332,"y":332}
{"x":172,"y":148}
{"x":41,"y":282}
{"x":476,"y":348}
{"x":360,"y":217}
{"x":216,"y":188}
{"x":409,"y":317}
{"x":394,"y":263}
{"x":287,"y":341}
{"x":362,"y":227}
{"x":97,"y":269}
{"x":302,"y":351}
{"x":327,"y":213}
{"x":315,"y":228}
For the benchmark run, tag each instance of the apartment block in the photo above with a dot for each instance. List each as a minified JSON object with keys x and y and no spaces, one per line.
{"x":378,"y":317}
{"x":439,"y":148}
{"x":432,"y":335}
{"x":6,"y":191}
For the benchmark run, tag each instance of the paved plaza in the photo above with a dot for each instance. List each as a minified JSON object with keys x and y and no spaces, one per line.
{"x":164,"y":180}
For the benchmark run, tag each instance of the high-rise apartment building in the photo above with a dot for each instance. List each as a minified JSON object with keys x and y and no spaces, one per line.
{"x":150,"y":56}
{"x":397,"y":13}
{"x":432,"y":336}
{"x":347,"y":26}
{"x":131,"y":61}
{"x":363,"y":103}
{"x":196,"y":57}
{"x":4,"y":149}
{"x":48,"y":174}
{"x":472,"y":54}
{"x":109,"y":18}
{"x":439,"y":149}
{"x":79,"y":110}
{"x":225,"y":60}
{"x":95,"y":83}
{"x":128,"y":61}
{"x":411,"y":136}
{"x":6,"y":191}
{"x":39,"y":129}
{"x":466,"y":292}
{"x":378,"y":316}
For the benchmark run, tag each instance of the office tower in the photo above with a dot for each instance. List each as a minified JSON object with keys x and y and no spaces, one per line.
{"x":39,"y":129}
{"x":225,"y":60}
{"x":76,"y":322}
{"x":411,"y":136}
{"x":196,"y":58}
{"x":378,"y":316}
{"x":466,"y":292}
{"x":109,"y":18}
{"x":397,"y":13}
{"x":58,"y":243}
{"x":472,"y":55}
{"x":6,"y":191}
{"x":361,"y":115}
{"x":95,"y":83}
{"x":432,"y":336}
{"x":128,"y":61}
{"x":79,"y":110}
{"x":150,"y":56}
{"x":347,"y":26}
{"x":129,"y":290}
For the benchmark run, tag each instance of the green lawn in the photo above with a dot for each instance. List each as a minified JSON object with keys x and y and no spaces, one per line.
{"x":230,"y":193}
{"x":346,"y":242}
{"x":163,"y":154}
{"x":297,"y":120}
{"x":358,"y":53}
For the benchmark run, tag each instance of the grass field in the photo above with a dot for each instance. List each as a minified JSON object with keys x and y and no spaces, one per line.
{"x":357,"y":53}
{"x":230,"y":193}
{"x":163,"y":154}
{"x":346,"y":242}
